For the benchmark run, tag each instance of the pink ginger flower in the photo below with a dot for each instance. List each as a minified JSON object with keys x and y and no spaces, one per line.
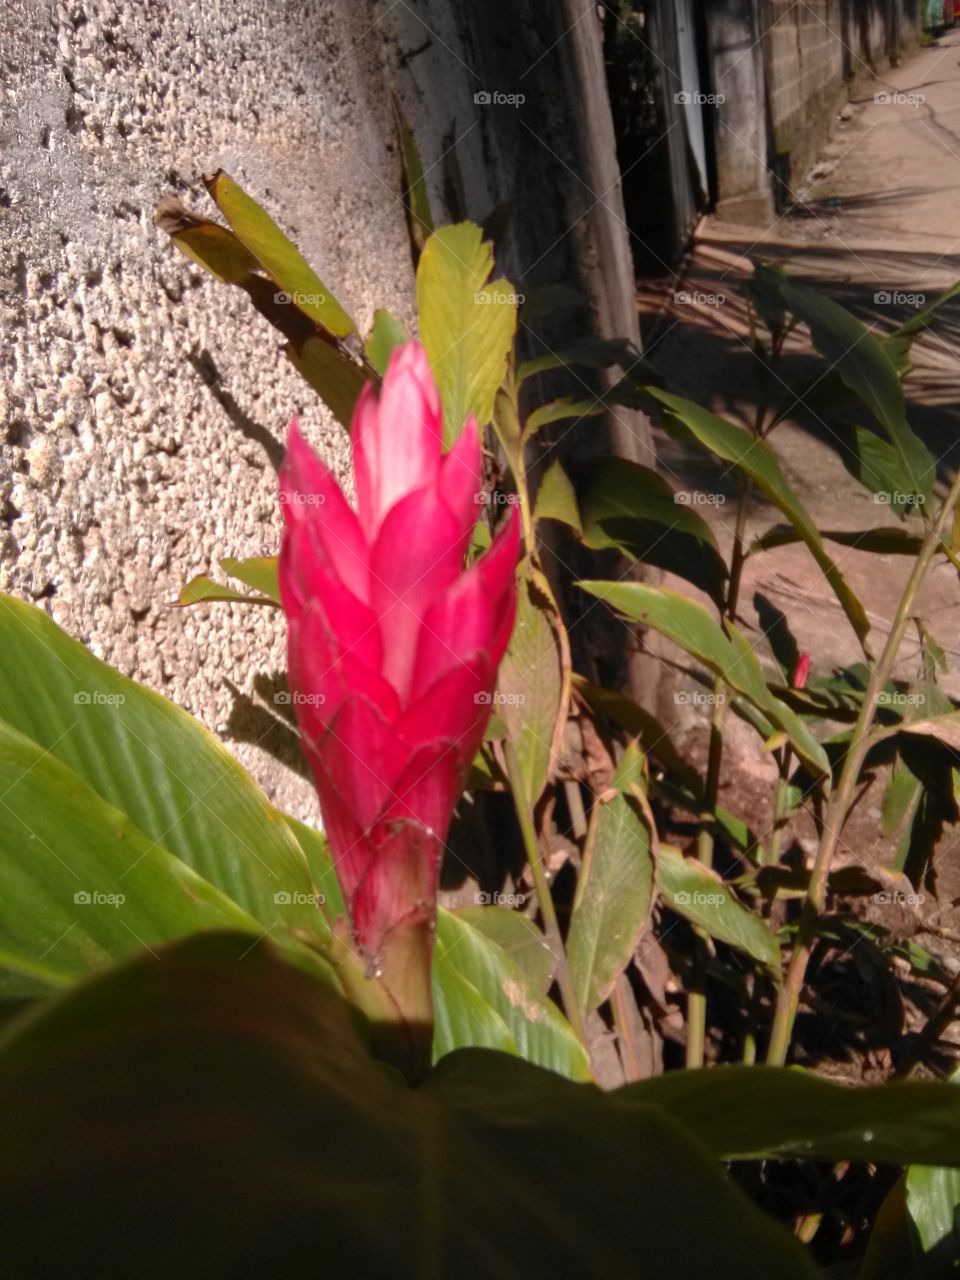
{"x":800,"y":672}
{"x":393,"y":646}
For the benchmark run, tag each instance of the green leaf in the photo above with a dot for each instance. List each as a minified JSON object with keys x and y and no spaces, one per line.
{"x":897,"y":345}
{"x":590,"y":353}
{"x":211,"y":246}
{"x":556,"y":499}
{"x":877,"y":465}
{"x":730,"y":656}
{"x":387,"y":332}
{"x":415,"y":196}
{"x":203,"y":588}
{"x":614,"y":893}
{"x":558,"y":410}
{"x":259,"y":572}
{"x":754,"y":1113}
{"x":278,"y":256}
{"x":518,"y":937}
{"x":886,"y":541}
{"x":758,"y":461}
{"x":466,"y":324}
{"x":933,"y":1196}
{"x":80,"y":886}
{"x":336,"y":378}
{"x":467,"y":956}
{"x":530,"y":687}
{"x":700,"y":896}
{"x":155,"y":763}
{"x":639,"y":723}
{"x":245,"y":1088}
{"x":868,"y":371}
{"x":635,"y":510}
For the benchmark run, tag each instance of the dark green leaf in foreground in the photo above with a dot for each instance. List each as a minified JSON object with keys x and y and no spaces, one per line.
{"x":205,"y":1115}
{"x":754,"y":1112}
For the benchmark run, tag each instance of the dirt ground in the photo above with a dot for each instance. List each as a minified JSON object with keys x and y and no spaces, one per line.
{"x":875,"y":226}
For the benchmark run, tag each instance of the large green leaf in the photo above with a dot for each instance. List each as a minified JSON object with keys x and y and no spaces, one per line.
{"x":278,"y":256}
{"x":80,"y":886}
{"x":537,"y":1030}
{"x":192,"y":1116}
{"x":155,"y":763}
{"x":728,"y":655}
{"x":518,"y":937}
{"x":614,"y":893}
{"x":768,"y":1112}
{"x":530,"y":687}
{"x":467,"y":323}
{"x":868,"y":371}
{"x":695,"y":892}
{"x":758,"y":461}
{"x":635,"y":510}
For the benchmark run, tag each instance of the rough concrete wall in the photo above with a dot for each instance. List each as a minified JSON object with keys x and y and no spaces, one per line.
{"x":144,"y":404}
{"x":805,"y":87}
{"x":811,"y":52}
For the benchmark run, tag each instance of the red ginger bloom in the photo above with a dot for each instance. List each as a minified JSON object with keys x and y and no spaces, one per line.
{"x":393,"y":646}
{"x":801,"y":671}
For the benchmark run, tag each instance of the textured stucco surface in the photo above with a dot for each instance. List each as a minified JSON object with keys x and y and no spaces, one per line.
{"x":143,"y":404}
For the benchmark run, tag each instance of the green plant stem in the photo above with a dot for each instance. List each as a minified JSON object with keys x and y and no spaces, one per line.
{"x":697,"y":1000}
{"x":780,"y":806}
{"x":842,"y":797}
{"x":544,"y":896}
